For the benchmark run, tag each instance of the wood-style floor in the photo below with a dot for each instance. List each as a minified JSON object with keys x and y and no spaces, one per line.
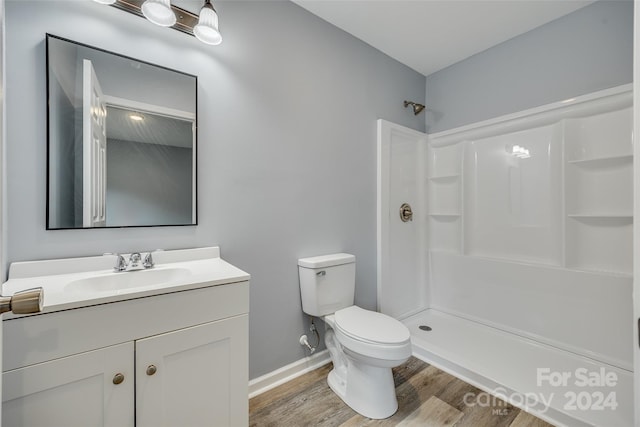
{"x":427,"y":397}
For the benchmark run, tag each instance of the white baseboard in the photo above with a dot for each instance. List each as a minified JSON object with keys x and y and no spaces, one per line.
{"x":287,"y":373}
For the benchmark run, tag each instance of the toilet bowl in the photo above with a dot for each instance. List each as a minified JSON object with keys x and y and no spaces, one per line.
{"x":364,"y":345}
{"x":363,"y":353}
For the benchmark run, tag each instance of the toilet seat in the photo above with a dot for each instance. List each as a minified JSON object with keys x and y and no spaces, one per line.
{"x":372,"y":334}
{"x":371,"y":326}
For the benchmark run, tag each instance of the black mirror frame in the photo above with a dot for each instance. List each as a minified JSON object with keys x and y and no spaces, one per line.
{"x":49,"y":36}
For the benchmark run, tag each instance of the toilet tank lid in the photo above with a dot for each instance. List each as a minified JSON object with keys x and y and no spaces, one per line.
{"x":326,"y":260}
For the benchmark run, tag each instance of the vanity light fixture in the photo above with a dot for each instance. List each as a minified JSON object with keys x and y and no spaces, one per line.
{"x":136,"y":117}
{"x":207,"y":28}
{"x":159,"y":12}
{"x":162,"y":12}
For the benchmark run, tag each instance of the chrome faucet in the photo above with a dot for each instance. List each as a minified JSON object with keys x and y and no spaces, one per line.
{"x":135,"y":262}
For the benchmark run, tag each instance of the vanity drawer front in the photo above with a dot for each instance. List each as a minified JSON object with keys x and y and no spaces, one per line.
{"x":39,"y":338}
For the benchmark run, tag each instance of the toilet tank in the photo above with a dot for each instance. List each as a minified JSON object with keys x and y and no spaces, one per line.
{"x":327,"y":283}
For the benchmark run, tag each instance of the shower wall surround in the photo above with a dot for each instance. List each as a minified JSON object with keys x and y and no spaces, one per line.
{"x":530,"y":224}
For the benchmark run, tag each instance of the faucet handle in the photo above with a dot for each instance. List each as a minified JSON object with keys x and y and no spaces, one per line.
{"x":148,"y":261}
{"x":121,"y":263}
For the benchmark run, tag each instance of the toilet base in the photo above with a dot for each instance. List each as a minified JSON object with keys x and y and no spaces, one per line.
{"x":368,"y":390}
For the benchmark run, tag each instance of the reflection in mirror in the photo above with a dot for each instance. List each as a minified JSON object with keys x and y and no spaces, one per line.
{"x":122,"y":140}
{"x":148,"y":168}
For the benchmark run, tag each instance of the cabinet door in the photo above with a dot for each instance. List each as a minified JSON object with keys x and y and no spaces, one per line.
{"x":200,"y":377}
{"x":72,"y":391}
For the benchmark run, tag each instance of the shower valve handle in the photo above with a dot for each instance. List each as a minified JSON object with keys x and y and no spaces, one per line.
{"x":406,"y":214}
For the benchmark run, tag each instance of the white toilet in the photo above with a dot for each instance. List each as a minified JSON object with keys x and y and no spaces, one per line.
{"x":364,"y":345}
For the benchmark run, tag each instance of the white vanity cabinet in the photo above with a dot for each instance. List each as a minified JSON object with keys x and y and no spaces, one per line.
{"x":191,"y":377}
{"x":74,"y":391}
{"x":182,"y":358}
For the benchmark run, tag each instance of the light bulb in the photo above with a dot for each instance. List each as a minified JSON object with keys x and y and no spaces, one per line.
{"x":159,"y":12}
{"x":207,"y":28}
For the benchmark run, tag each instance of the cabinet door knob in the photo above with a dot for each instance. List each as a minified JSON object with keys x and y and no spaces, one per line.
{"x":118,"y":378}
{"x":151,"y":369}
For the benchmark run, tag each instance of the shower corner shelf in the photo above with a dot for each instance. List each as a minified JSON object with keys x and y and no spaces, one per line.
{"x":603,"y":216}
{"x":603,"y":160}
{"x":453,"y":250}
{"x":444,"y":177}
{"x":600,"y":271}
{"x":598,"y":198}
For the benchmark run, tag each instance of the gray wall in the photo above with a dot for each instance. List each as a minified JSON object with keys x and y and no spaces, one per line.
{"x":585,"y":51}
{"x":286,"y":146}
{"x":148,"y":184}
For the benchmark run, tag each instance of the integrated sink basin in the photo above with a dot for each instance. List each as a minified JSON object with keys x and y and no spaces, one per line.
{"x":81,"y":282}
{"x":125,"y":281}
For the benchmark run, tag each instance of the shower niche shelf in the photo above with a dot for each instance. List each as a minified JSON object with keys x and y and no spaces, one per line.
{"x":445,"y":162}
{"x":445,"y":233}
{"x":603,"y":161}
{"x":599,"y":192}
{"x":607,"y":190}
{"x":602,"y":216}
{"x":599,"y":137}
{"x":442,"y":178}
{"x":599,"y":243}
{"x":445,"y":198}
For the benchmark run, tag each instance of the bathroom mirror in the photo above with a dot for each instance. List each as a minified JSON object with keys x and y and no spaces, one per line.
{"x":121,"y":140}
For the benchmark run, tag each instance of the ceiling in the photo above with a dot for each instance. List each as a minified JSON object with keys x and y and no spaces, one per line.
{"x":152,"y":129}
{"x":429,"y":35}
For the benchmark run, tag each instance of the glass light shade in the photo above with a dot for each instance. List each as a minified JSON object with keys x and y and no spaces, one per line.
{"x":206,"y":30}
{"x":159,"y":12}
{"x":105,"y":1}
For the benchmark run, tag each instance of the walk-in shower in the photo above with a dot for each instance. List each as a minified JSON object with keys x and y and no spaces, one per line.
{"x":519,"y":255}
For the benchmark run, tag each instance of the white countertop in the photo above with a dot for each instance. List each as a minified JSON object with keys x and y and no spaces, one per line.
{"x":59,"y":278}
